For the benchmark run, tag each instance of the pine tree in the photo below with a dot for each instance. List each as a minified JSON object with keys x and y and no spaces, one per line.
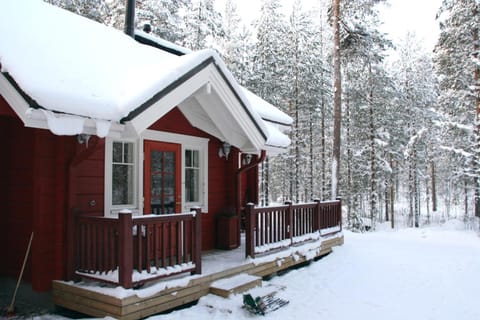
{"x":457,"y":63}
{"x":366,"y":93}
{"x":337,"y":99}
{"x":97,"y":10}
{"x":163,"y":17}
{"x":203,"y":25}
{"x":236,"y":45}
{"x":269,"y":82}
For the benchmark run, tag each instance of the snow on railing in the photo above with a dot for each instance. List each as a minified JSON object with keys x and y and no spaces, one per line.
{"x":274,"y":228}
{"x":118,"y":250}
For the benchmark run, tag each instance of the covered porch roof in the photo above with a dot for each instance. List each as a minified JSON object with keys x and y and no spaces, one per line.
{"x":72,"y":75}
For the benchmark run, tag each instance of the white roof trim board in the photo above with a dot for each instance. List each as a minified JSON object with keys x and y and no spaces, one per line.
{"x":80,"y":76}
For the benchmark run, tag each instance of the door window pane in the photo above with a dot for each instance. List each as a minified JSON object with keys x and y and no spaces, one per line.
{"x":163,"y":183}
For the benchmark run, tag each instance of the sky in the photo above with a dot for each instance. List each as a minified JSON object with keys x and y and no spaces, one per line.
{"x":412,"y":15}
{"x":399,"y":18}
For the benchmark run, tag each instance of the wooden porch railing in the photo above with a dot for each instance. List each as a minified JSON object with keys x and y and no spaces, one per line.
{"x":158,"y":245}
{"x":270,"y":228}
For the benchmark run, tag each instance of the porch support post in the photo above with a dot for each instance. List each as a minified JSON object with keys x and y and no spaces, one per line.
{"x":316,"y":216}
{"x":339,"y":212}
{"x":125,"y":248}
{"x":289,"y":226}
{"x":249,"y":231}
{"x":198,"y":241}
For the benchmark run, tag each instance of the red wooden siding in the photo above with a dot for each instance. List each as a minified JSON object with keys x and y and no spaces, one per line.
{"x":16,"y":192}
{"x":34,"y":194}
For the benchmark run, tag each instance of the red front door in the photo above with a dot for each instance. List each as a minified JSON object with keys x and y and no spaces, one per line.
{"x":162,"y":189}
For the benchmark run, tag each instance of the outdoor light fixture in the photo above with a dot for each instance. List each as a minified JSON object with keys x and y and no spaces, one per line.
{"x":247,"y":158}
{"x":224,"y":150}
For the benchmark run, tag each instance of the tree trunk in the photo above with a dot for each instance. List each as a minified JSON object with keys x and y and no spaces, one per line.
{"x":373,"y":177}
{"x":411,"y":190}
{"x":337,"y":99}
{"x":323,"y":154}
{"x":465,"y":192}
{"x":476,"y":48}
{"x":392,"y":193}
{"x":434,"y":187}
{"x":349,"y":188}
{"x":312,"y":154}
{"x":415,"y":189}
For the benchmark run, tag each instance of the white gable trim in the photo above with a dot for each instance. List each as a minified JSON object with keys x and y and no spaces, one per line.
{"x":208,"y":80}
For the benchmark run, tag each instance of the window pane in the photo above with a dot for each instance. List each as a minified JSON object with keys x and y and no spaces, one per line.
{"x":169,"y":158}
{"x":156,"y":161}
{"x":196,"y":159}
{"x":128,"y":152}
{"x":117,"y":151}
{"x":188,"y":158}
{"x":192,"y":185}
{"x":122,"y":184}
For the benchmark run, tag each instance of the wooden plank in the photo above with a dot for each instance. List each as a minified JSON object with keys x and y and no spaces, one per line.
{"x":81,"y":303}
{"x":236,"y":284}
{"x":223,"y":274}
{"x":164,"y":299}
{"x":61,"y":286}
{"x":163,"y":307}
{"x":81,"y":308}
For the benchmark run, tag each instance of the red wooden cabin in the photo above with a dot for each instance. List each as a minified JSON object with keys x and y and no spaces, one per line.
{"x":187,"y":138}
{"x":130,"y":157}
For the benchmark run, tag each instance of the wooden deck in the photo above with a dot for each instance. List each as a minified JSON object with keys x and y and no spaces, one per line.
{"x":88,"y":300}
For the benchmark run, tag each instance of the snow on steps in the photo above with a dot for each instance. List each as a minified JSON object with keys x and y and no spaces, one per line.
{"x":236,"y":284}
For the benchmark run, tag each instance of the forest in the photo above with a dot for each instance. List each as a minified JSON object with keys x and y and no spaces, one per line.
{"x":392,"y":129}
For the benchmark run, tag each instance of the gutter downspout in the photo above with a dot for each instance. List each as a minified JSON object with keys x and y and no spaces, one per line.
{"x":241,"y":170}
{"x":130,"y":18}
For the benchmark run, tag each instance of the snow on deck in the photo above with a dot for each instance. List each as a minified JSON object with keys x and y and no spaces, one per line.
{"x":212,"y":262}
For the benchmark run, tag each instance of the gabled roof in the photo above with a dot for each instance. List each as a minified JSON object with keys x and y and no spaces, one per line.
{"x":73,"y":75}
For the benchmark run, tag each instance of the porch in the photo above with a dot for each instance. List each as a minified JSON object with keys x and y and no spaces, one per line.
{"x":275,"y":239}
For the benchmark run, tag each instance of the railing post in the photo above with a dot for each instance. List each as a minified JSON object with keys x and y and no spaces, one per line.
{"x":316,"y":218}
{"x":340,"y":212}
{"x":249,"y":230}
{"x":198,"y":240}
{"x":289,"y":226}
{"x":125,"y":248}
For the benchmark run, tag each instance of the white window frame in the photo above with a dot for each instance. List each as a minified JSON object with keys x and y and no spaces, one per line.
{"x":187,"y":143}
{"x":110,"y":209}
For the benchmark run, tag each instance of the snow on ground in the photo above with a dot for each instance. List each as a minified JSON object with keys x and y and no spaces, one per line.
{"x":428,"y":273}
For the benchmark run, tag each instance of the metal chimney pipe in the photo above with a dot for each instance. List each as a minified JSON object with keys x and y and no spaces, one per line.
{"x":130,"y":18}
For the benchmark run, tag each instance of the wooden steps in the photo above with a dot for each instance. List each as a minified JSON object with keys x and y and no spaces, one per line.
{"x":236,"y":284}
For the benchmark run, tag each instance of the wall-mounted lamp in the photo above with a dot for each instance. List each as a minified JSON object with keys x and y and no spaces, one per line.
{"x":247,"y":159}
{"x":83,"y":138}
{"x":224,"y":150}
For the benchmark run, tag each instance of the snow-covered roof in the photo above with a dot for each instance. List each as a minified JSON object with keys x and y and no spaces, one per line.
{"x":80,"y":72}
{"x":267,"y":111}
